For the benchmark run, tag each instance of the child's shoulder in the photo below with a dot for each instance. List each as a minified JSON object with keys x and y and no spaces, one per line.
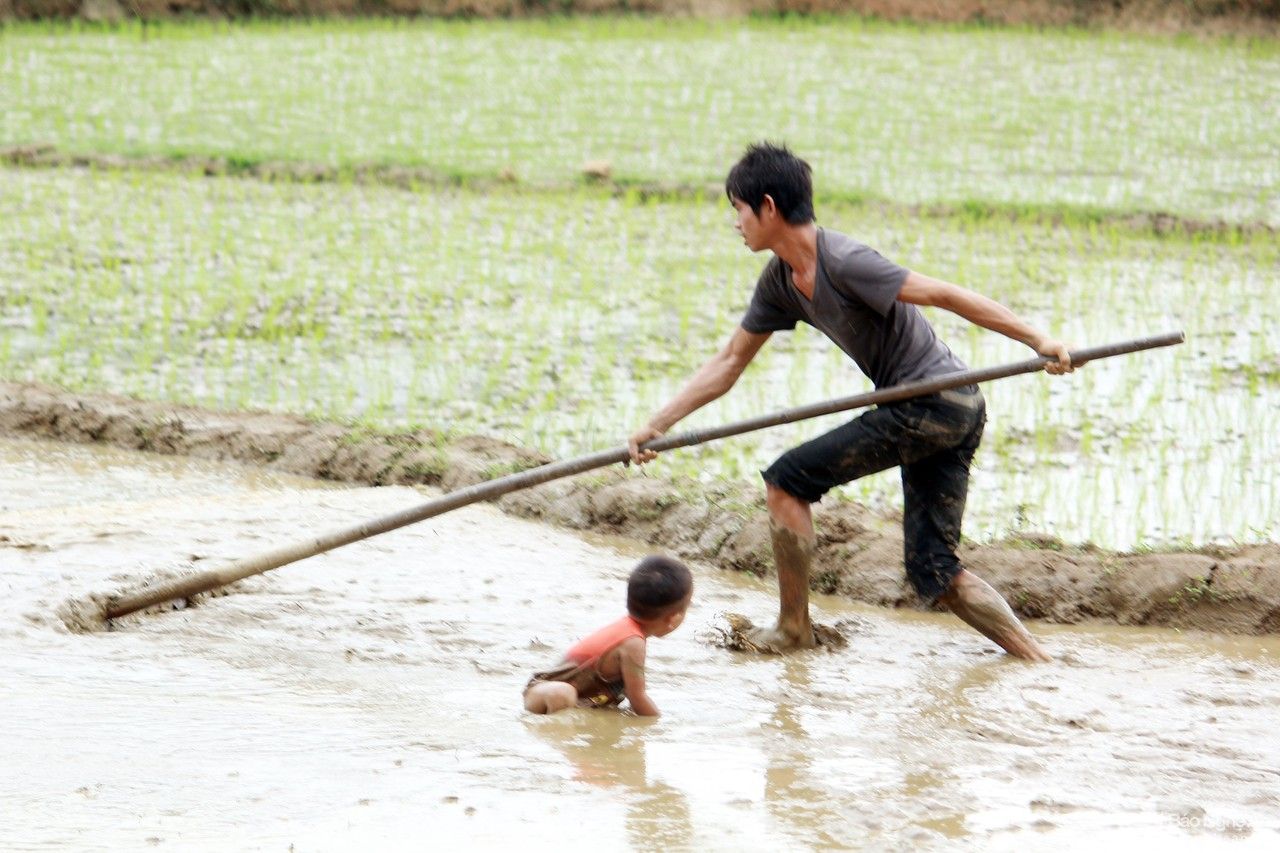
{"x":629,"y":654}
{"x":633,"y":648}
{"x":635,"y":641}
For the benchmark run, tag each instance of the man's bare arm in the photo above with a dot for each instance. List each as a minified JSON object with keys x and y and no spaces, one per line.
{"x":708,"y":383}
{"x":631,"y":659}
{"x":986,"y":312}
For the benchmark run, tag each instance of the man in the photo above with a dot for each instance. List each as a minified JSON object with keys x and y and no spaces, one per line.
{"x":867,"y":306}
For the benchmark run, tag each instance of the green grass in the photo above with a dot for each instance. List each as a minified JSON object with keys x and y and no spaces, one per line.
{"x":560,"y":320}
{"x":917,"y":115}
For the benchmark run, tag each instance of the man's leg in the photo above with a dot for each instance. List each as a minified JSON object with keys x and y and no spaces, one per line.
{"x":977,"y":603}
{"x":791,"y":529}
{"x":934,"y":492}
{"x":867,"y":444}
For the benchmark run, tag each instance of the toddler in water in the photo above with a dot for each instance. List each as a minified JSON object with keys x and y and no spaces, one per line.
{"x":608,"y":666}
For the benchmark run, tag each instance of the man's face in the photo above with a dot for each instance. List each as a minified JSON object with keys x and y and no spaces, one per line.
{"x":749,"y":225}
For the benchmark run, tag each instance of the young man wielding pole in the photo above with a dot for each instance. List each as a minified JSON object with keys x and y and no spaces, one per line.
{"x":867,"y":306}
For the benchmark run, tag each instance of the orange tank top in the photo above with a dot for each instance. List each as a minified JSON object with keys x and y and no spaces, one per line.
{"x":593,"y":646}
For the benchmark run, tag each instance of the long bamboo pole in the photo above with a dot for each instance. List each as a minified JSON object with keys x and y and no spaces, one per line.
{"x":161,"y":591}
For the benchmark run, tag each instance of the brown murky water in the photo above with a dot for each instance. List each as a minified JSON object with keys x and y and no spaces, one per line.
{"x":370,"y":697}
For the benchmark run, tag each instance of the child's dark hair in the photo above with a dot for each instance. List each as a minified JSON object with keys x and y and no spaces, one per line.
{"x":772,"y":170}
{"x":657,"y":585}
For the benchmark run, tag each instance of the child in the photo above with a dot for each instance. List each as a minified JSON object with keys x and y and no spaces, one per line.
{"x":609,"y":665}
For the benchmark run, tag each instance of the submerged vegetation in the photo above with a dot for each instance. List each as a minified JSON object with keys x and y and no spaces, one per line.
{"x":531,"y":305}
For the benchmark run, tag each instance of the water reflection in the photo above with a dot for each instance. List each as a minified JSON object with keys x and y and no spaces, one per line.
{"x":607,"y":749}
{"x":793,"y":792}
{"x":934,"y":731}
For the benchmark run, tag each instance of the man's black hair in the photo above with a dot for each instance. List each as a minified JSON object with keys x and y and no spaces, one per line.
{"x":656,"y":585}
{"x":772,"y":170}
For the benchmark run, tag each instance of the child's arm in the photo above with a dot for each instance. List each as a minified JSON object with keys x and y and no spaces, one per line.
{"x":631,"y":660}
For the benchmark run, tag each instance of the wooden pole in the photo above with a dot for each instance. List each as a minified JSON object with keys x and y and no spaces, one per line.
{"x":161,"y":591}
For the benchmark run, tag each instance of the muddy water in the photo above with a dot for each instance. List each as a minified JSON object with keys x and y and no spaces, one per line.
{"x":370,"y":697}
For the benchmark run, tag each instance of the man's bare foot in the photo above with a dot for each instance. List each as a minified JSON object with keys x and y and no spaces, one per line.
{"x":743,"y":636}
{"x":778,"y":639}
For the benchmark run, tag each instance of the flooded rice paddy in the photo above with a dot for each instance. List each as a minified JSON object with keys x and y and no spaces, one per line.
{"x":370,"y":697}
{"x":1003,"y":115}
{"x":328,"y":300}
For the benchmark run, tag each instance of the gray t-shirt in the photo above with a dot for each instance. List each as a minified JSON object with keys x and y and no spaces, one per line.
{"x":855,"y":304}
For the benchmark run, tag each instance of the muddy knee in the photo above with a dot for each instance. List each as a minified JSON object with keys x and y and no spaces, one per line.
{"x":787,"y":509}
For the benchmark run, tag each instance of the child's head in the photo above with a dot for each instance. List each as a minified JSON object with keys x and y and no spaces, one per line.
{"x":658,"y":593}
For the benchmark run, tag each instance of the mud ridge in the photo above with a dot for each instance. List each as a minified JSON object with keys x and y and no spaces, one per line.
{"x":1254,"y":18}
{"x":418,"y":178}
{"x":859,"y":554}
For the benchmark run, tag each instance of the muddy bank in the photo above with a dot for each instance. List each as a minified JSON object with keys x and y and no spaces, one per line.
{"x":859,"y":553}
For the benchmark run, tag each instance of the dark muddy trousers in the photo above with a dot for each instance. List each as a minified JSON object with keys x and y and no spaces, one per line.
{"x":933,"y":440}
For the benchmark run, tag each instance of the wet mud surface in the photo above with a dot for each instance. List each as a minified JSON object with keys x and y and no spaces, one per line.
{"x":371,"y":696}
{"x":858,"y":556}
